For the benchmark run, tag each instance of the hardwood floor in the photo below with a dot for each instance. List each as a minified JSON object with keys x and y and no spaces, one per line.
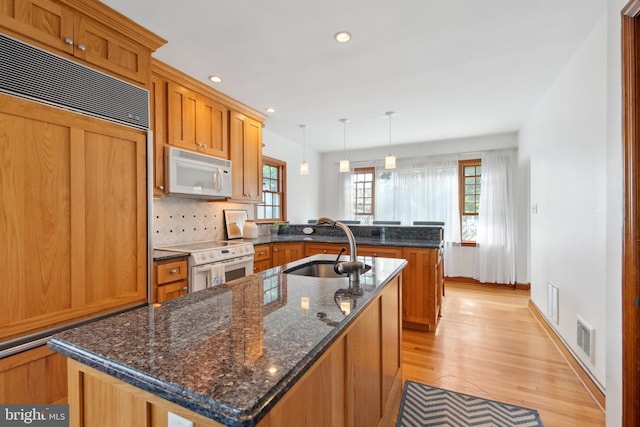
{"x":488,"y":344}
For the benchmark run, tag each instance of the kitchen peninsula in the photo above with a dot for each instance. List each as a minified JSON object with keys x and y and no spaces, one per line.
{"x":268,"y":349}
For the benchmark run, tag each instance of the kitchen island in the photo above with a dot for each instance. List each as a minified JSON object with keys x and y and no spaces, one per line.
{"x":269,"y":349}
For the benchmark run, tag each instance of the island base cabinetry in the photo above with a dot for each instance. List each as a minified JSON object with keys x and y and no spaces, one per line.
{"x":355,"y":382}
{"x":423,"y":288}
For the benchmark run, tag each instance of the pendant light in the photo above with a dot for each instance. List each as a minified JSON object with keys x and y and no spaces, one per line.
{"x":304,"y":166}
{"x":390,"y":160}
{"x":344,"y":164}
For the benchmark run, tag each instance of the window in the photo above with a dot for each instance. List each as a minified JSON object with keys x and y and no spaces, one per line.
{"x":364,"y":191}
{"x":469,"y":186}
{"x":273,"y":207}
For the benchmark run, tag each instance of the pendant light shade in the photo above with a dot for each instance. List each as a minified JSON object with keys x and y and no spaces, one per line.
{"x":344,"y":164}
{"x":390,"y":160}
{"x":304,"y":166}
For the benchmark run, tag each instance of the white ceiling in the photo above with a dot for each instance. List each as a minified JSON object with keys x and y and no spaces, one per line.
{"x":447,"y":68}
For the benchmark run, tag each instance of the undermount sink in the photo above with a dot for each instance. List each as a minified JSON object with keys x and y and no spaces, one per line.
{"x":319,"y":268}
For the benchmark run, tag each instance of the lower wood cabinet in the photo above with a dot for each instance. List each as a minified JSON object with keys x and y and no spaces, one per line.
{"x":171,"y":279}
{"x":36,"y":376}
{"x":74,"y":198}
{"x":261,"y":258}
{"x":422,"y":289}
{"x":284,"y":253}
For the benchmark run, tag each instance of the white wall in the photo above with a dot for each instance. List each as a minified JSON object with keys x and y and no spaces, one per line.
{"x":302,"y":190}
{"x":614,"y":226}
{"x":564,"y":143}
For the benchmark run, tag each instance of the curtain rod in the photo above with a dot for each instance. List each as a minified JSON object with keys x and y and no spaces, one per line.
{"x":457,"y":154}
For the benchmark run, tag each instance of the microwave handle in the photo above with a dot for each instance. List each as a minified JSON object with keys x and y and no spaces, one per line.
{"x":217,"y":179}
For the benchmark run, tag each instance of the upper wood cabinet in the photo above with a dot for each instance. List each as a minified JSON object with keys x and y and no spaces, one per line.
{"x":88,"y":31}
{"x":188,"y":114}
{"x":245,"y":140}
{"x":73,"y":203}
{"x":195,"y":122}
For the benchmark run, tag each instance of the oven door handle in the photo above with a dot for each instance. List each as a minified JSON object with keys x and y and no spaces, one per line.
{"x":237,"y":261}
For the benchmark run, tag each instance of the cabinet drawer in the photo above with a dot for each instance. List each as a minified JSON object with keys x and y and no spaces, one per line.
{"x":380,"y":251}
{"x":171,"y":271}
{"x":173,"y":290}
{"x":325,"y":248}
{"x":262,"y":252}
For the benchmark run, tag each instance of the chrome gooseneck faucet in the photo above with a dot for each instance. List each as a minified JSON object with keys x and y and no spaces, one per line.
{"x":354,"y":266}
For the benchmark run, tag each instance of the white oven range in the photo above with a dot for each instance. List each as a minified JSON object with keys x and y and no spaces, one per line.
{"x":215,"y":262}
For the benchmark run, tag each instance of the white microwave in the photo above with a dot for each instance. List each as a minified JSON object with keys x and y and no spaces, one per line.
{"x":191,"y":174}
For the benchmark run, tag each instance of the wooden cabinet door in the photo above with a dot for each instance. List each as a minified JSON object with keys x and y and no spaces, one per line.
{"x":114,"y":214}
{"x":73,"y":203}
{"x":43,"y":21}
{"x":211,"y":127}
{"x":181,"y":116}
{"x":98,"y":45}
{"x":419,"y":288}
{"x":245,"y":151}
{"x":36,"y":376}
{"x":283,"y":253}
{"x":158,"y":114}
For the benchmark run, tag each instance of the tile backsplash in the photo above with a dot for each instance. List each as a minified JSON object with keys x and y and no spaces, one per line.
{"x":180,"y":220}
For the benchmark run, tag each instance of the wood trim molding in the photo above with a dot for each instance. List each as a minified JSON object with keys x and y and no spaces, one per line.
{"x":632,"y":9}
{"x":184,"y":79}
{"x":584,"y":376}
{"x":115,"y":20}
{"x":631,"y":252}
{"x":469,"y":280}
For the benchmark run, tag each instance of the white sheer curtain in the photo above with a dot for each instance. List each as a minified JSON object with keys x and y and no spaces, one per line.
{"x":495,"y":257}
{"x":424,"y":189}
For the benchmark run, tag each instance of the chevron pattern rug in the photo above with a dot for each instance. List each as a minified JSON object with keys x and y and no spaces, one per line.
{"x":423,"y":405}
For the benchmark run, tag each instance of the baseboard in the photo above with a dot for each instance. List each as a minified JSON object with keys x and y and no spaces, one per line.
{"x":460,"y":279}
{"x":584,"y":376}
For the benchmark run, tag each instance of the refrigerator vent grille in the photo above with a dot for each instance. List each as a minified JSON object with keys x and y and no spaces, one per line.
{"x":33,"y":73}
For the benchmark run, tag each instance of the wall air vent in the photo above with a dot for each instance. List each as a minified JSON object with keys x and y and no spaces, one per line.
{"x":33,"y":73}
{"x":586,"y":336}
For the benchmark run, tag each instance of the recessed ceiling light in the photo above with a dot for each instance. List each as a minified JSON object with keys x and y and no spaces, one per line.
{"x":342,"y":37}
{"x":215,"y":79}
{"x":270,"y":110}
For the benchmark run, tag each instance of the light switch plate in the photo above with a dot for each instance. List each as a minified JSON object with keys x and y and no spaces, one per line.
{"x":174,"y":420}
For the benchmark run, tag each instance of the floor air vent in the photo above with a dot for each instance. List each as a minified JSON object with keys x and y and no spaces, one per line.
{"x":33,"y":73}
{"x":586,"y":336}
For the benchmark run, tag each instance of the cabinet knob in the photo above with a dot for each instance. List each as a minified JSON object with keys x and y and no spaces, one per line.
{"x":275,"y":249}
{"x":324,"y":250}
{"x":185,"y":288}
{"x":174,"y":271}
{"x":161,"y":187}
{"x":68,"y":40}
{"x":375,"y":254}
{"x":82,"y":47}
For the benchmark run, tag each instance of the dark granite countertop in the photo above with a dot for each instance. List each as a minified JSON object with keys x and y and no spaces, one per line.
{"x":375,"y":241}
{"x":229,"y":352}
{"x":161,"y":254}
{"x":375,"y":235}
